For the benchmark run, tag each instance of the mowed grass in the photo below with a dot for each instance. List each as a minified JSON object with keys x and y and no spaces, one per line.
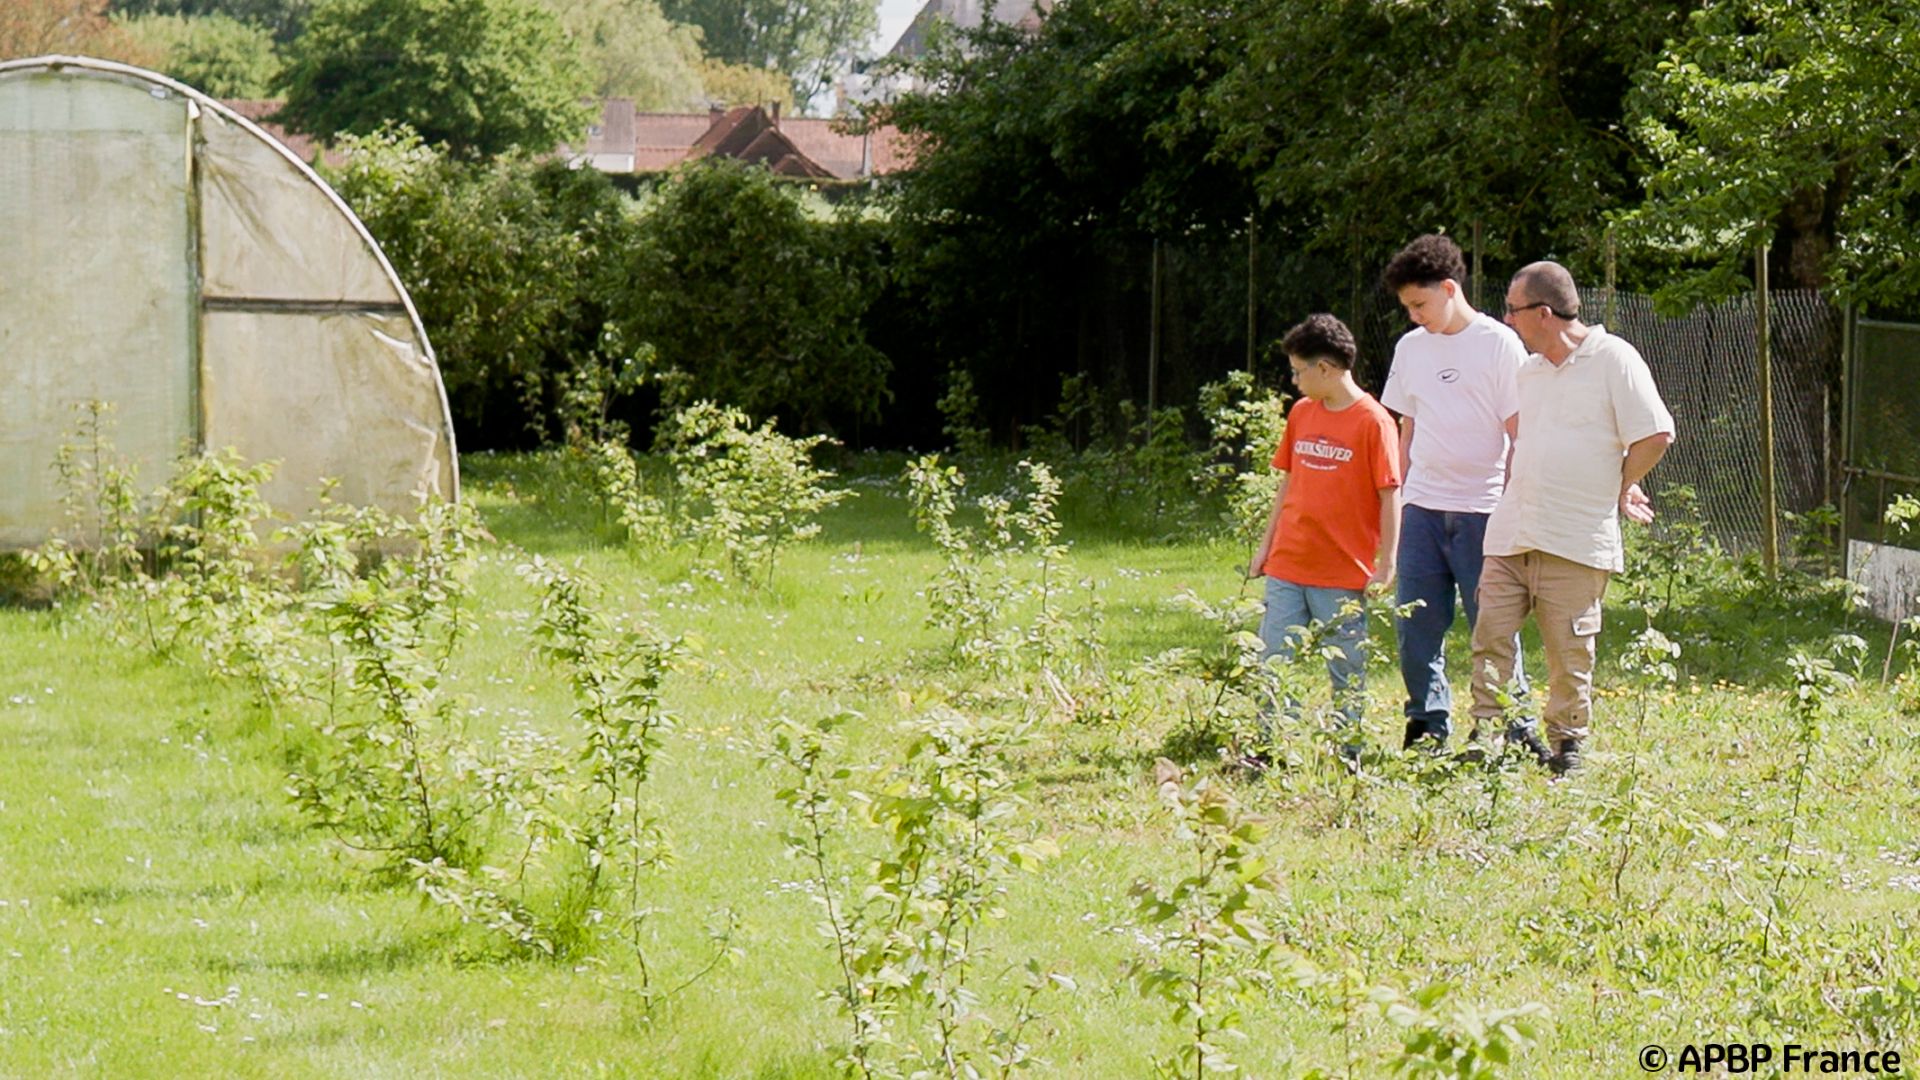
{"x":167,"y":913}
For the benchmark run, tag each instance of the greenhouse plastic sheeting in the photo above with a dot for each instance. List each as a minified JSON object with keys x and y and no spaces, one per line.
{"x":170,"y":258}
{"x":96,"y":298}
{"x":319,"y":420}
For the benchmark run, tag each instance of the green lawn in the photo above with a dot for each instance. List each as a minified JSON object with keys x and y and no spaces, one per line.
{"x":164,"y":910}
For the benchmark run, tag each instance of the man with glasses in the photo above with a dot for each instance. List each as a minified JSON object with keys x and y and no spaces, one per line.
{"x":1591,"y":426}
{"x":1452,"y":383}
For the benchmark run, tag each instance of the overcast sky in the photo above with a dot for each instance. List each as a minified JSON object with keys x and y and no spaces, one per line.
{"x":894,"y":17}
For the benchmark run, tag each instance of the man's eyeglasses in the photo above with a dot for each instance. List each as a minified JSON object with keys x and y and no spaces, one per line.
{"x":1512,"y":311}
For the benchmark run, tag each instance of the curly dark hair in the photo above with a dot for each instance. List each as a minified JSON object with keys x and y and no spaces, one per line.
{"x":1322,"y":337}
{"x":1427,"y":261}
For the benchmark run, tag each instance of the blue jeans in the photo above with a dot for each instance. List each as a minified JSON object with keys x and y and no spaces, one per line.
{"x":1291,"y":608}
{"x":1440,"y":553}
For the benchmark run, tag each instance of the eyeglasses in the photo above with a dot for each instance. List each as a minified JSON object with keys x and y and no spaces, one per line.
{"x":1512,"y":311}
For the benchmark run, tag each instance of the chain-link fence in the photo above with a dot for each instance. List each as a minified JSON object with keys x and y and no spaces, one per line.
{"x":1883,"y":463}
{"x":1883,"y":456}
{"x":1705,"y":364}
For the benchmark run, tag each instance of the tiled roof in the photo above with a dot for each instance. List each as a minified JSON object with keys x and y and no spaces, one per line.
{"x":663,"y":140}
{"x":614,"y":134}
{"x":791,"y":146}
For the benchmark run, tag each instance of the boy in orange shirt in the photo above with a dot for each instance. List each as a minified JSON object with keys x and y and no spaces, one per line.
{"x":1335,"y":523}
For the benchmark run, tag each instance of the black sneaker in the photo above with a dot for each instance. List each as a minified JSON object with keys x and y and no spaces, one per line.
{"x":1253,"y":764}
{"x":1349,"y":755}
{"x":1475,"y":752}
{"x":1524,"y":737}
{"x":1566,"y":757}
{"x":1416,"y":730}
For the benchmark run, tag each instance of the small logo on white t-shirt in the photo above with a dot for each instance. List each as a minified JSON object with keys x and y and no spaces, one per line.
{"x":1450,"y":375}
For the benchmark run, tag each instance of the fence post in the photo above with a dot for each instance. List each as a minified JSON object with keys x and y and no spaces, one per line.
{"x":1252,"y":224}
{"x":1763,"y":331}
{"x":1475,"y":298}
{"x":1612,"y":250}
{"x":1153,"y":342}
{"x":1847,"y":406}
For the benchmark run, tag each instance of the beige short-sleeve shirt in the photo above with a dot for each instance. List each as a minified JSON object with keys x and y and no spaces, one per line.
{"x":1576,"y":421}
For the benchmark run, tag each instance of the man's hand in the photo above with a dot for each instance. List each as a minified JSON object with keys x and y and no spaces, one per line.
{"x":1382,"y":574}
{"x":1635,"y":506}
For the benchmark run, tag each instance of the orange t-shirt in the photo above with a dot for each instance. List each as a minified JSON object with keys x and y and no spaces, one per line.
{"x":1336,"y":464}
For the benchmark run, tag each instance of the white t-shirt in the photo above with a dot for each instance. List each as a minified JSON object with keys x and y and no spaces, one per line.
{"x":1576,"y":422}
{"x":1459,"y":389}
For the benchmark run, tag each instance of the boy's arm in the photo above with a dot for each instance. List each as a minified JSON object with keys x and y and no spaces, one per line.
{"x":1406,"y":446}
{"x":1257,"y":567}
{"x":1389,"y":537}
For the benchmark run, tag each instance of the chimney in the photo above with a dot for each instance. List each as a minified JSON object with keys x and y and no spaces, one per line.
{"x":776,"y":116}
{"x":714,"y":112}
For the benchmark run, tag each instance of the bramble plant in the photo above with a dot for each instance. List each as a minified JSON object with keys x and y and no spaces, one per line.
{"x":218,"y":588}
{"x":1815,"y":685}
{"x":104,"y":518}
{"x":1441,"y":1037}
{"x":615,"y":673}
{"x":1235,"y":686}
{"x":983,"y":583}
{"x":1215,"y":940}
{"x":641,"y":515}
{"x":960,"y":416}
{"x":750,"y":490}
{"x":908,"y":944}
{"x":1245,"y":424}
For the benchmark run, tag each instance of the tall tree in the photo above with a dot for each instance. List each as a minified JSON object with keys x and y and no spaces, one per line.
{"x":479,"y":76}
{"x":811,"y":41}
{"x":635,"y":51}
{"x":217,"y":54}
{"x":1375,"y":120}
{"x":745,"y":298}
{"x":43,"y":27}
{"x":1791,"y":123}
{"x":284,"y":18}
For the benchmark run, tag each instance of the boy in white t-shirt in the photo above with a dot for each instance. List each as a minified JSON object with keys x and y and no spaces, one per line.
{"x":1453,"y":385}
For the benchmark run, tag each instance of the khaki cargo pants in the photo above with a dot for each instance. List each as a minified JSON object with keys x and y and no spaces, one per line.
{"x":1564,"y":598}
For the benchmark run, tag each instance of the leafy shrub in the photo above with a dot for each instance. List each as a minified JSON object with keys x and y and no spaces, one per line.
{"x":748,"y":300}
{"x":910,"y":937}
{"x":988,"y":574}
{"x":750,"y":490}
{"x":514,"y":267}
{"x":1244,"y":423}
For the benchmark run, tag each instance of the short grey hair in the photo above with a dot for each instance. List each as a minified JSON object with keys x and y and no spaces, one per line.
{"x":1549,"y":283}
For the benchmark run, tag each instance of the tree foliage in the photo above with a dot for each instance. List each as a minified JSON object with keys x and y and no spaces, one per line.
{"x":747,"y":300}
{"x":284,"y":18}
{"x":635,"y":51}
{"x":512,"y":264}
{"x":1788,"y":123}
{"x":1372,"y":121}
{"x":479,"y":76}
{"x":216,"y":54}
{"x":808,"y":40}
{"x":71,"y":27}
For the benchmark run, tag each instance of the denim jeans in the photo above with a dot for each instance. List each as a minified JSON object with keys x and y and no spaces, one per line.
{"x":1440,"y":554}
{"x":1291,"y":608}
